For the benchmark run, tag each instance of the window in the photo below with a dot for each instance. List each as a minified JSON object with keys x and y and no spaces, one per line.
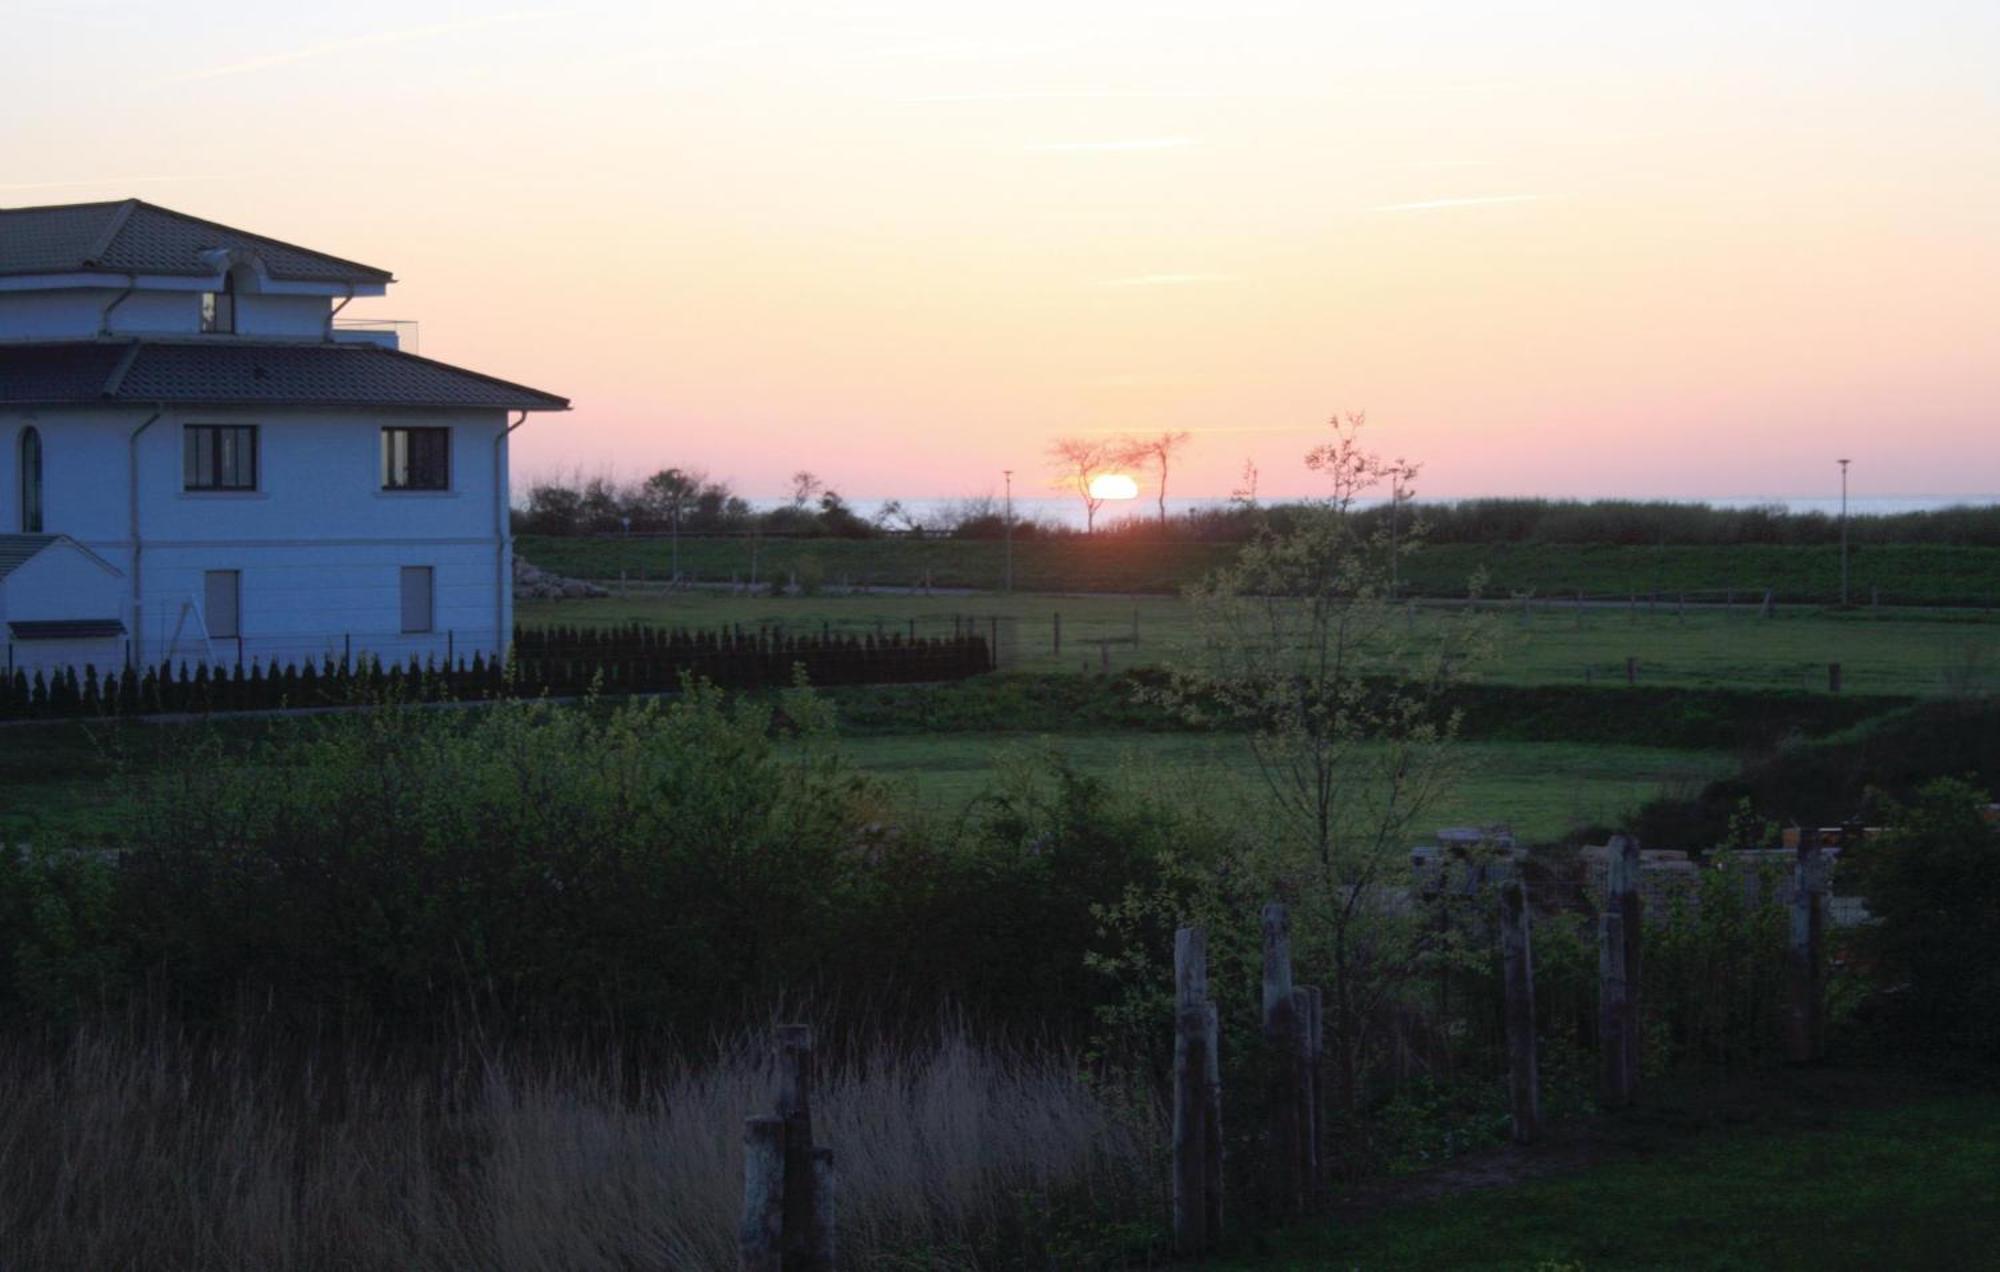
{"x":416,"y":459}
{"x":218,"y":309}
{"x":31,"y":481}
{"x":222,"y":607}
{"x":219,"y":457}
{"x":416,"y":599}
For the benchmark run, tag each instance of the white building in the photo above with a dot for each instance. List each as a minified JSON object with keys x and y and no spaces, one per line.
{"x":198,"y":463}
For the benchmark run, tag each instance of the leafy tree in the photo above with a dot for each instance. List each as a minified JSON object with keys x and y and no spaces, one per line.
{"x":1342,"y":701}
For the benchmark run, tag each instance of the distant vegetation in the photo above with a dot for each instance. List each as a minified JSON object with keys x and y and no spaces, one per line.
{"x":702,"y":505}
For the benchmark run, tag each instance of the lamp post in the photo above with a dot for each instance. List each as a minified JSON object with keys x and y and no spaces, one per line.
{"x":1843,"y":532}
{"x":1008,"y":473}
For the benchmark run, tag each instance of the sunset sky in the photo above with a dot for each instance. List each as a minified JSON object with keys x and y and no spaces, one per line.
{"x":1684,"y":249}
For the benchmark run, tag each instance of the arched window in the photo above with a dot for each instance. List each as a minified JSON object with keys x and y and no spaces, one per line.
{"x":31,"y":481}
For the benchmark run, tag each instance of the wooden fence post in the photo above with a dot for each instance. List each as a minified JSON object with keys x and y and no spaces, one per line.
{"x":1631,"y":670}
{"x":1305,"y":1011}
{"x":1614,"y":1086}
{"x":1518,"y":976}
{"x":795,"y":1076}
{"x":1281,"y":1027}
{"x":760,"y":1239}
{"x":1056,"y":641}
{"x":1805,"y":1017}
{"x":1197,"y":1099}
{"x":1833,"y":677}
{"x":1191,"y":1072}
{"x":1625,"y":899}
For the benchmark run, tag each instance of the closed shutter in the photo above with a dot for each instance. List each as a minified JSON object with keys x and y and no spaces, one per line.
{"x":416,"y":598}
{"x":222,"y":603}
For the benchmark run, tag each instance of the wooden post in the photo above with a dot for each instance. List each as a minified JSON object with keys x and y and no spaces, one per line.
{"x":823,"y":1211}
{"x":1518,"y":977}
{"x":1104,"y":657}
{"x":795,"y":1076}
{"x":1281,"y":1106}
{"x":1770,"y":608}
{"x":1135,"y":627}
{"x":1833,"y":677}
{"x":1196,"y":1185}
{"x":1305,"y":1010}
{"x":1625,"y":899}
{"x":1805,"y":962}
{"x":1631,"y":670}
{"x":1613,"y":1088}
{"x":1056,"y":643}
{"x":760,"y":1239}
{"x":1190,"y":1183}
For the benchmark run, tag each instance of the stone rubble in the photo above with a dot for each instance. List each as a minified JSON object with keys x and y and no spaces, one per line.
{"x":532,"y":583}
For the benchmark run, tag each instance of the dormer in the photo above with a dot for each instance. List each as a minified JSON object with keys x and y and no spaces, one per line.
{"x":88,"y":270}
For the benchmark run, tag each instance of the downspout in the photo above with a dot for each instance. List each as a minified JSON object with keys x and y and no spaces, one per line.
{"x":503,"y":582}
{"x":334,"y":312}
{"x":104,"y":315}
{"x":132,"y":464}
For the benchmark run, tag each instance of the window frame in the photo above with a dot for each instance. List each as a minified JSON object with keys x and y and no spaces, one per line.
{"x":403,"y":575}
{"x":218,"y":308}
{"x":189,"y":434}
{"x":386,"y":459}
{"x":235,"y":604}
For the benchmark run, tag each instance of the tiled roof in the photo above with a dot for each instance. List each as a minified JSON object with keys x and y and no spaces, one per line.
{"x":232,"y":373}
{"x":134,"y":237}
{"x":17,"y":549}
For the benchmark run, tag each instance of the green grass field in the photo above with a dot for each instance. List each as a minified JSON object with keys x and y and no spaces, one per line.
{"x":1888,"y":651}
{"x":1906,"y":1187}
{"x":1914,"y":574}
{"x":1540,"y":789}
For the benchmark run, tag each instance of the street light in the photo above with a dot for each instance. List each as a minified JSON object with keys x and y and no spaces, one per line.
{"x":1008,"y":473}
{"x":1843,"y":532}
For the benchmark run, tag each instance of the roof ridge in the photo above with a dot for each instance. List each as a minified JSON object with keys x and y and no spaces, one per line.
{"x":104,"y":240}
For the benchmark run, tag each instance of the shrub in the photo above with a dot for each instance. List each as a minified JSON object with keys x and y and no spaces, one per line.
{"x":1932,"y":880}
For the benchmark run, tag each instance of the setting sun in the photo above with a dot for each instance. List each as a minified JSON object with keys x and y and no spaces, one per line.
{"x":1113,"y":486}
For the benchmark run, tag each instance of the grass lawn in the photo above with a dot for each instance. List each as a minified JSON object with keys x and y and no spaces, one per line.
{"x":1888,"y":651}
{"x":1915,"y":1186}
{"x":1540,"y":789}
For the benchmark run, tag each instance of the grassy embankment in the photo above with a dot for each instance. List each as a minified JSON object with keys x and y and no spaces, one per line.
{"x":1906,"y":574}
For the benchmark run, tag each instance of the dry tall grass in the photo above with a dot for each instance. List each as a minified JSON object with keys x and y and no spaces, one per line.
{"x":170,"y":1156}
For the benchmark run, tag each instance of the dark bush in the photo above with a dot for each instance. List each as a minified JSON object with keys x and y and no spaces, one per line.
{"x":1932,"y":881}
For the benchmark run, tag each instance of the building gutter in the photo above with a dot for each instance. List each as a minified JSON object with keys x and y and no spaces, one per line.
{"x":503,"y":582}
{"x":132,"y":463}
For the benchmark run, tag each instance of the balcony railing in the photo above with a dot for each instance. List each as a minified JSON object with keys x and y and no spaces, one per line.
{"x":390,"y":333}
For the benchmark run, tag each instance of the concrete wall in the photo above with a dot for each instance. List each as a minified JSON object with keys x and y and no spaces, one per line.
{"x":319,"y":544}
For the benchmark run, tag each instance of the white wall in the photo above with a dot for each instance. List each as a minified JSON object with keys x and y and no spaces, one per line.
{"x":320,"y":545}
{"x":62,"y":582}
{"x":77,"y":313}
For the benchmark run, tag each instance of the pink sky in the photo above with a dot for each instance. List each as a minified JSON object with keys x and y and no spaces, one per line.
{"x":1574,"y":250}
